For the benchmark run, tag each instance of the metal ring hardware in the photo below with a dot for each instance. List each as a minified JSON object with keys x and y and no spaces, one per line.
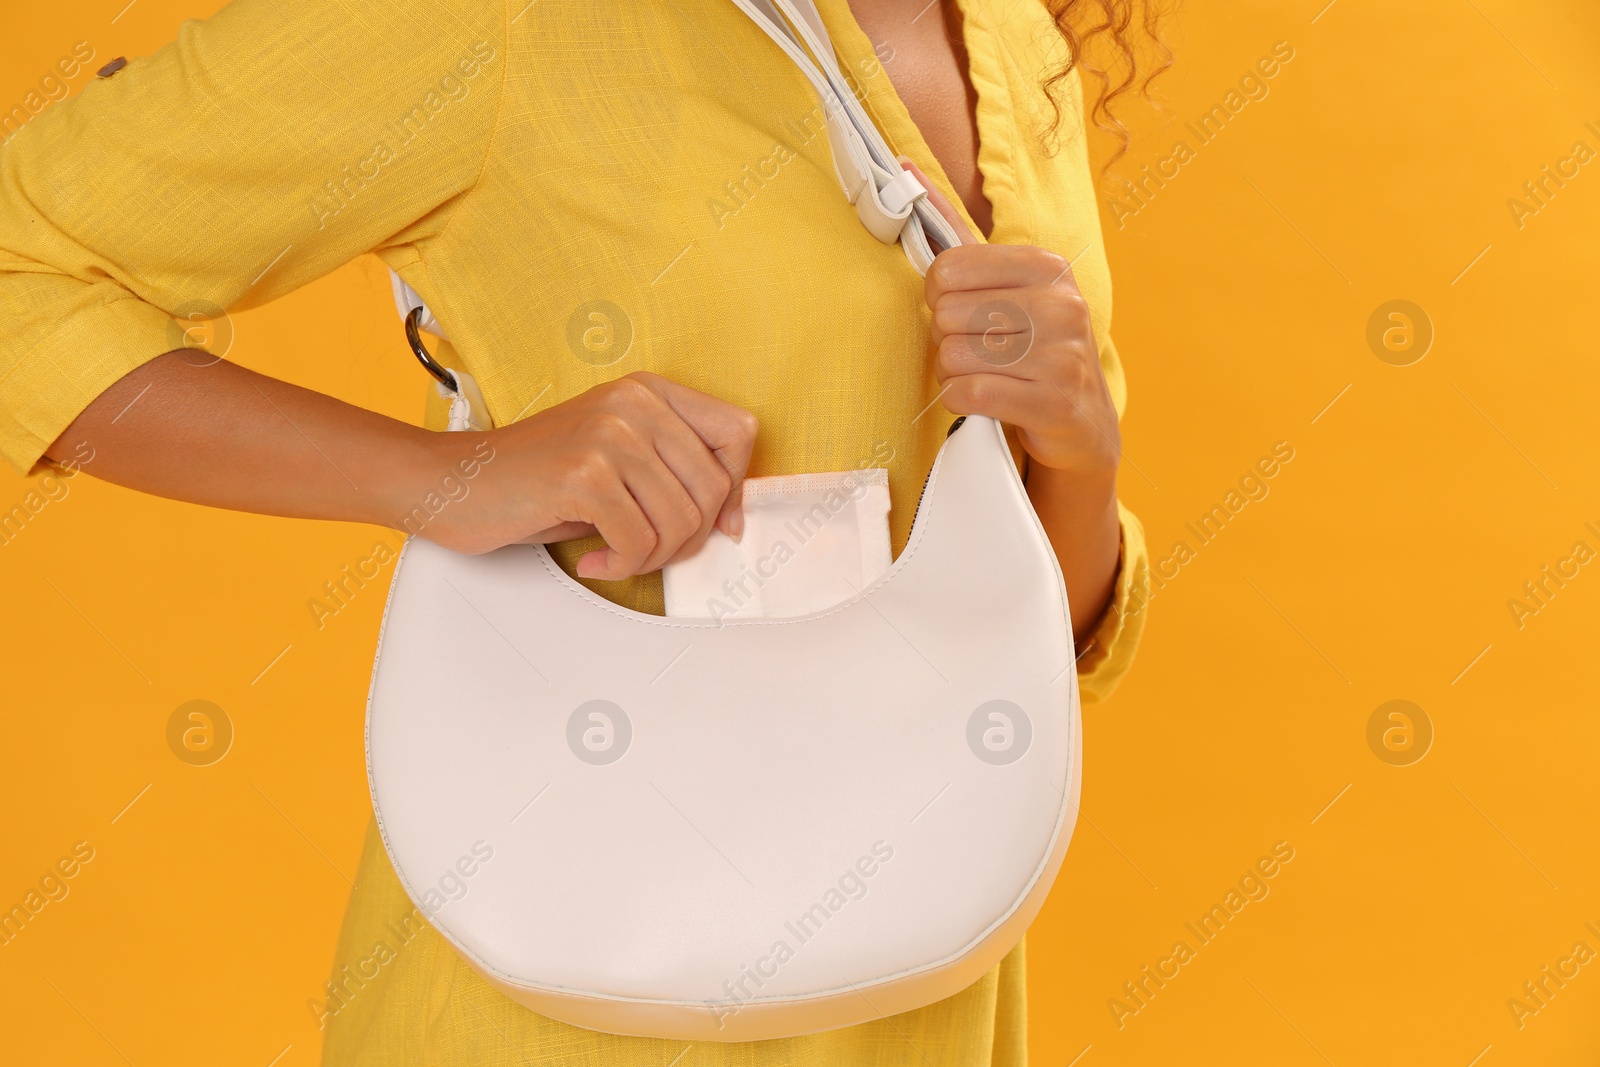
{"x":433,"y":366}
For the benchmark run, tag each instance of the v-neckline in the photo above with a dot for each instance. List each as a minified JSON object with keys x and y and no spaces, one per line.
{"x":884,"y":104}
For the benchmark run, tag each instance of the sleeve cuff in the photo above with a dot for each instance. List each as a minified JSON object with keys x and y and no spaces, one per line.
{"x":88,"y":351}
{"x":1108,"y":653}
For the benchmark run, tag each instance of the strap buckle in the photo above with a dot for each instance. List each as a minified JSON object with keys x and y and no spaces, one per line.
{"x":885,"y":210}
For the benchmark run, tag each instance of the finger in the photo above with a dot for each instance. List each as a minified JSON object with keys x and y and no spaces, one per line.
{"x":730,"y":519}
{"x":727,"y":430}
{"x":1010,"y":400}
{"x":563,"y":531}
{"x":699,"y":471}
{"x":997,"y":267}
{"x":941,"y":203}
{"x":628,"y":533}
{"x":999,"y":340}
{"x":671,"y":511}
{"x":729,"y":433}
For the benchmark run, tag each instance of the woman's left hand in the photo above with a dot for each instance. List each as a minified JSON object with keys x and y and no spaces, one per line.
{"x":1016,"y":343}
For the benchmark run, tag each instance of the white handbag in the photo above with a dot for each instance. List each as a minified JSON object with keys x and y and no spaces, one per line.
{"x":741,"y":829}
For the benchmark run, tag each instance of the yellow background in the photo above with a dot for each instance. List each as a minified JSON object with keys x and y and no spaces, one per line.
{"x":1378,"y":567}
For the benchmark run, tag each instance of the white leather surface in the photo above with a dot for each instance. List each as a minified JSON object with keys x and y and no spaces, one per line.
{"x":767,"y":757}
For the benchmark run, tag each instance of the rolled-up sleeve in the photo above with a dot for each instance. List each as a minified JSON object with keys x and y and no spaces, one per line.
{"x":1108,"y":653}
{"x":262,"y":149}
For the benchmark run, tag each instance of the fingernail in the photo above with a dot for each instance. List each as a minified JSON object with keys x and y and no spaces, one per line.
{"x":736,"y":524}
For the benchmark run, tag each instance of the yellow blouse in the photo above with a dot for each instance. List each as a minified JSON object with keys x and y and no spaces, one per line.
{"x":578,"y":190}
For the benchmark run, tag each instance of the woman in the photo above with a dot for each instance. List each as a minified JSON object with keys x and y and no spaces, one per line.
{"x":546,"y":174}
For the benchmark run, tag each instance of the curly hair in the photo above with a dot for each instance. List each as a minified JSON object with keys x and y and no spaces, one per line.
{"x":1119,"y":30}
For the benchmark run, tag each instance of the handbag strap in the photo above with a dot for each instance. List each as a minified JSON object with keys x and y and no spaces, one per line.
{"x":888,"y":199}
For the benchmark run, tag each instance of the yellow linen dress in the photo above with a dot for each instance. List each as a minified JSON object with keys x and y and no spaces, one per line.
{"x":578,"y":190}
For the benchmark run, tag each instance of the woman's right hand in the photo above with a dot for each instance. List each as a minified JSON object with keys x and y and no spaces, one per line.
{"x":647,"y":463}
